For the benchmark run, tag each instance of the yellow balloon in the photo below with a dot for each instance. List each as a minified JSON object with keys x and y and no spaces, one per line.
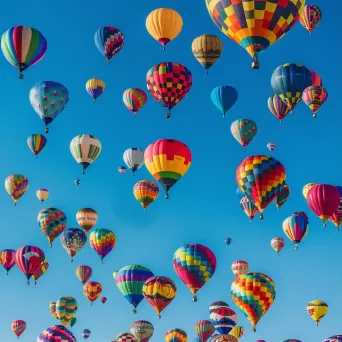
{"x":306,"y":189}
{"x":114,"y":274}
{"x":42,"y":194}
{"x":237,"y":332}
{"x":164,"y":25}
{"x":317,"y":309}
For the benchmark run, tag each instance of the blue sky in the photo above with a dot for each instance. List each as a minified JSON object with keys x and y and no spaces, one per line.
{"x":203,"y":207}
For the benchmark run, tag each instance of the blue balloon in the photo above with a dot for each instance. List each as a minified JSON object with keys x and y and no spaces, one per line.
{"x":224,"y":98}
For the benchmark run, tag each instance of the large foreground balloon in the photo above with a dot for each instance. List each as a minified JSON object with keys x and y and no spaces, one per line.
{"x":66,"y":308}
{"x":296,"y":227}
{"x":134,"y":99}
{"x":134,"y":158}
{"x":314,"y":97}
{"x":224,"y":320}
{"x":255,"y":25}
{"x":23,"y":46}
{"x":317,"y":309}
{"x":167,"y":160}
{"x":253,"y":293}
{"x":56,"y":333}
{"x":16,"y":185}
{"x":277,"y":107}
{"x":92,"y":290}
{"x":18,"y":327}
{"x":95,"y":87}
{"x":142,"y":330}
{"x":224,"y":98}
{"x":145,"y":192}
{"x":36,"y":143}
{"x":72,"y":240}
{"x":261,"y":179}
{"x":7,"y":259}
{"x":204,"y":329}
{"x":102,"y":241}
{"x":168,"y":83}
{"x":244,"y":131}
{"x":176,"y":335}
{"x":86,"y":218}
{"x":194,"y":264}
{"x":310,"y":17}
{"x":49,"y":99}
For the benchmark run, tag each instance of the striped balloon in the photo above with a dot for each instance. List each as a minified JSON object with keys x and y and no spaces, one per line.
{"x":7,"y":259}
{"x":84,"y":273}
{"x":95,"y":87}
{"x":224,"y":320}
{"x":102,"y":241}
{"x":16,"y":185}
{"x":42,"y":194}
{"x":277,"y":107}
{"x":56,"y":333}
{"x":86,"y":218}
{"x":36,"y":143}
{"x":244,"y":131}
{"x":204,"y":329}
{"x":145,"y":192}
{"x":134,"y":99}
{"x":52,"y":308}
{"x":314,"y":97}
{"x":142,"y":330}
{"x":176,"y":335}
{"x":66,"y":308}
{"x":44,"y":265}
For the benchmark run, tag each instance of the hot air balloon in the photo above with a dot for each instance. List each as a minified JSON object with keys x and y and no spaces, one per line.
{"x":142,"y":330}
{"x":145,"y":192}
{"x":314,"y":97}
{"x":240,"y":267}
{"x":317,"y":309}
{"x":282,"y":197}
{"x":207,"y":50}
{"x":228,"y":241}
{"x":224,"y":320}
{"x":323,"y":200}
{"x":244,"y":131}
{"x":48,"y":99}
{"x":237,"y":332}
{"x":277,"y":107}
{"x":224,"y":98}
{"x":254,"y":26}
{"x":42,"y":194}
{"x":216,"y":305}
{"x":307,"y":188}
{"x":72,"y":240}
{"x":271,"y":146}
{"x":184,"y":261}
{"x":95,"y":87}
{"x":248,"y":207}
{"x":310,"y":17}
{"x":56,"y":333}
{"x":130,"y":281}
{"x":52,"y":308}
{"x":289,"y":81}
{"x":86,"y":218}
{"x":122,"y":169}
{"x":36,"y":143}
{"x":44,"y":265}
{"x":23,"y":47}
{"x":224,"y":338}
{"x":66,"y":308}
{"x":103,"y":300}
{"x":316,"y":79}
{"x":134,"y":99}
{"x":168,"y":83}
{"x":336,"y":220}
{"x":18,"y":327}
{"x":167,"y":160}
{"x":164,"y":25}
{"x":335,"y":338}
{"x":277,"y":244}
{"x":77,"y":181}
{"x":296,"y":227}
{"x":7,"y":259}
{"x":86,"y":333}
{"x":176,"y":335}
{"x":85,"y":149}
{"x":73,"y":322}
{"x":102,"y":241}
{"x":92,"y":290}
{"x":125,"y":337}
{"x":16,"y":185}
{"x":84,"y":273}
{"x":261,"y":179}
{"x":134,"y":159}
{"x":52,"y":222}
{"x":109,"y":41}
{"x":159,"y":292}
{"x":254,"y":294}
{"x":204,"y":329}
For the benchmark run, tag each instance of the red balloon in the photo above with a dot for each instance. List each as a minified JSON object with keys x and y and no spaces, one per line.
{"x":103,"y":300}
{"x":18,"y":327}
{"x":323,"y":200}
{"x":316,"y":80}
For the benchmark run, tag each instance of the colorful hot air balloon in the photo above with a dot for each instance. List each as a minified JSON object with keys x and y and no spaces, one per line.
{"x":18,"y":327}
{"x":296,"y":227}
{"x":86,"y":333}
{"x":130,"y":281}
{"x":168,"y":83}
{"x":335,"y":338}
{"x":317,"y":309}
{"x":95,"y":87}
{"x":207,"y":50}
{"x":224,"y":98}
{"x":254,"y":294}
{"x":122,"y":169}
{"x":125,"y":337}
{"x":16,"y":185}
{"x":52,"y":308}
{"x":85,"y":148}
{"x":224,"y":320}
{"x":271,"y":146}
{"x":102,"y":241}
{"x":277,"y":107}
{"x":307,"y":188}
{"x":244,"y":131}
{"x":134,"y":158}
{"x":310,"y":17}
{"x":103,"y":300}
{"x":66,"y":308}
{"x":86,"y":218}
{"x":224,"y":338}
{"x":176,"y":335}
{"x":248,"y":207}
{"x":204,"y":329}
{"x":257,"y":25}
{"x":44,"y":265}
{"x":316,"y":79}
{"x":42,"y":194}
{"x":56,"y":333}
{"x":92,"y":290}
{"x":240,"y":267}
{"x":167,"y":160}
{"x":282,"y":197}
{"x":323,"y":200}
{"x":84,"y":273}
{"x":109,"y":41}
{"x":48,"y":99}
{"x":164,"y":25}
{"x":7,"y":259}
{"x":142,"y":330}
{"x":184,"y":261}
{"x":336,"y":220}
{"x":314,"y":97}
{"x":289,"y":81}
{"x":23,"y":47}
{"x":72,"y":240}
{"x":261,"y":179}
{"x":145,"y":192}
{"x":277,"y":244}
{"x":237,"y":332}
{"x":159,"y":292}
{"x":36,"y":143}
{"x":134,"y":99}
{"x":216,"y":305}
{"x":52,"y":222}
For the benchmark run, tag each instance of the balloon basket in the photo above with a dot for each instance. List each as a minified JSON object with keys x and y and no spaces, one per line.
{"x":194,"y":298}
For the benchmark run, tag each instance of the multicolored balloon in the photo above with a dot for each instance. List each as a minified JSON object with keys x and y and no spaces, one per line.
{"x":16,"y":185}
{"x":216,"y":305}
{"x":7,"y":259}
{"x":240,"y":267}
{"x":310,"y":17}
{"x":18,"y":327}
{"x":125,"y":337}
{"x":95,"y":88}
{"x":84,"y":273}
{"x":103,"y":300}
{"x":282,"y":197}
{"x":92,"y":290}
{"x":237,"y":332}
{"x":72,"y":240}
{"x":56,"y":333}
{"x":224,"y":320}
{"x":36,"y":143}
{"x":86,"y":333}
{"x":296,"y":227}
{"x":277,"y":107}
{"x":66,"y":308}
{"x":334,"y":338}
{"x":134,"y":99}
{"x":176,"y":335}
{"x":102,"y":241}
{"x":86,"y":218}
{"x":52,"y":309}
{"x":277,"y":244}
{"x":142,"y":330}
{"x":248,"y":207}
{"x":204,"y":329}
{"x":224,"y":97}
{"x":271,"y":146}
{"x":317,"y":309}
{"x":314,"y":97}
{"x":244,"y":131}
{"x":145,"y":192}
{"x":134,"y":159}
{"x":307,"y":188}
{"x":336,"y":220}
{"x":42,"y":194}
{"x":44,"y":265}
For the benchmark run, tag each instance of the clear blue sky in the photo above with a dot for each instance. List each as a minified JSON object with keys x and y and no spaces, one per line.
{"x":203,"y":207}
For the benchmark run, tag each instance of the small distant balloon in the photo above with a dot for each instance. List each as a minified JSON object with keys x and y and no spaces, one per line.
{"x":42,"y":194}
{"x":36,"y":143}
{"x":122,"y":169}
{"x":77,"y":181}
{"x":95,"y":87}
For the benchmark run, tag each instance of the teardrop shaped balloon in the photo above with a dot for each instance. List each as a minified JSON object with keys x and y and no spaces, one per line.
{"x":134,"y":158}
{"x":44,"y":265}
{"x":134,"y":99}
{"x":102,"y":241}
{"x":42,"y":194}
{"x":48,"y":99}
{"x":36,"y":143}
{"x":86,"y":333}
{"x":282,"y":197}
{"x":240,"y":267}
{"x":310,"y":17}
{"x":248,"y":208}
{"x":277,"y":107}
{"x":92,"y":290}
{"x":103,"y":300}
{"x":7,"y":259}
{"x":244,"y":131}
{"x":86,"y":218}
{"x":307,"y":188}
{"x":52,"y":309}
{"x":204,"y":329}
{"x":224,"y":320}
{"x":142,"y":330}
{"x":317,"y":309}
{"x":18,"y":327}
{"x":56,"y":333}
{"x":145,"y":192}
{"x":296,"y":227}
{"x":271,"y":146}
{"x":16,"y":185}
{"x":336,"y":220}
{"x":72,"y":240}
{"x":122,"y":169}
{"x":314,"y":97}
{"x":66,"y":308}
{"x":224,"y":97}
{"x":95,"y":87}
{"x":277,"y":244}
{"x":176,"y":335}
